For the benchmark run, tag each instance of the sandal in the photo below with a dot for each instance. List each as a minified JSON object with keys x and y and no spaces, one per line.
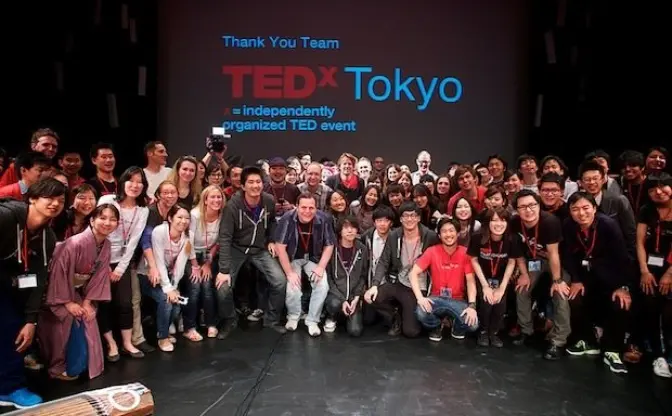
{"x":212,"y":332}
{"x":193,"y":335}
{"x":166,"y":345}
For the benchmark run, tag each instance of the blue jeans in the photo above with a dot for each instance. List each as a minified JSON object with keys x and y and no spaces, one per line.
{"x":317,"y":296}
{"x":202,"y":293}
{"x":166,"y":312}
{"x":443,"y":307}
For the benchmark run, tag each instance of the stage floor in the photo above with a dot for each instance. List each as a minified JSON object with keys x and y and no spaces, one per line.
{"x":260,"y":372}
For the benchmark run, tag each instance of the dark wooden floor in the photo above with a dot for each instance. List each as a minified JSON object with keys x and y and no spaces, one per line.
{"x":263,"y":373}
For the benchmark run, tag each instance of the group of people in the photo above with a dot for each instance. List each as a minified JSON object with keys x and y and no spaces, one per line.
{"x":193,"y":249}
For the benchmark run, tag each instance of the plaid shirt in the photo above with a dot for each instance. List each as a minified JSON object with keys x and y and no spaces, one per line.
{"x":320,"y":194}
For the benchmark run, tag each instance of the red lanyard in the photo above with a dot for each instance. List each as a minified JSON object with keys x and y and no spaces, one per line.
{"x":635,"y":203}
{"x":104,"y":186}
{"x":658,"y":238}
{"x":24,"y":251}
{"x":411,"y":256}
{"x":494,"y":264}
{"x":533,"y":250}
{"x":125,"y":235}
{"x":305,"y":241}
{"x":588,"y":250}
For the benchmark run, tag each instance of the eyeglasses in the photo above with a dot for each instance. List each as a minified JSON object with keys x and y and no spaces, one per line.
{"x":528,"y":207}
{"x":409,"y":216}
{"x":550,"y":191}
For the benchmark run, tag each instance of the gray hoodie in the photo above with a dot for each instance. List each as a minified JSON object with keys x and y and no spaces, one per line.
{"x":240,"y":229}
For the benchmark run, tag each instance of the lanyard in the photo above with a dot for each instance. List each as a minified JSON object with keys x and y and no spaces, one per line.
{"x":351,"y":260}
{"x":494,"y":264}
{"x":658,"y":231}
{"x":305,"y":241}
{"x":635,"y":203}
{"x":103,"y":184}
{"x":173,"y":258}
{"x":533,"y":250}
{"x":125,"y":236}
{"x":24,"y":251}
{"x":588,"y":249}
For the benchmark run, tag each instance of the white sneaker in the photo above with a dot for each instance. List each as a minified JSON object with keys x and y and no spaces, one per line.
{"x":303,"y":316}
{"x":255,"y":316}
{"x":314,"y":330}
{"x":661,"y":368}
{"x":292,"y":324}
{"x":330,"y":325}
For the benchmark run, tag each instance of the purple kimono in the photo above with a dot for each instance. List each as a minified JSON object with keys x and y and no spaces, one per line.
{"x":78,"y":272}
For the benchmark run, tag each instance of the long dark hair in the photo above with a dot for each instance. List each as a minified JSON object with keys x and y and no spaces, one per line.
{"x":502,"y":213}
{"x":141,"y":200}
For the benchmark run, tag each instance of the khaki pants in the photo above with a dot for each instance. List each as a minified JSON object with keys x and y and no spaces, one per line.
{"x":138,"y":336}
{"x":561,"y":326}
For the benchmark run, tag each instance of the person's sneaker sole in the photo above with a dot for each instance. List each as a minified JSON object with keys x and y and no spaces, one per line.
{"x":615,"y":370}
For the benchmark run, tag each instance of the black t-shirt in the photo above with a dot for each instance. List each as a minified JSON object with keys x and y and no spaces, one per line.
{"x":658,"y":233}
{"x":562,"y":212}
{"x":103,"y":187}
{"x":346,"y":256}
{"x":534,"y":240}
{"x":305,"y":241}
{"x":494,"y":255}
{"x":637,"y":195}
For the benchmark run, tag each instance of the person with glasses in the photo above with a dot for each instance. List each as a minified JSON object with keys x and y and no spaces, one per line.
{"x":540,"y":233}
{"x":391,"y":284}
{"x":551,"y":190}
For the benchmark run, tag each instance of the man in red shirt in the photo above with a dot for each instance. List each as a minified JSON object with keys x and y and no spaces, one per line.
{"x":44,"y":141}
{"x":29,"y":168}
{"x":465,"y":176}
{"x":451,"y":276}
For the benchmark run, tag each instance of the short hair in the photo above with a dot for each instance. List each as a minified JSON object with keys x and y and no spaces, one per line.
{"x":383,"y":211}
{"x":141,"y":200}
{"x":409,"y":207}
{"x":99,"y":146}
{"x":462,"y":169}
{"x":632,"y":158}
{"x":250,"y":170}
{"x":29,"y":159}
{"x":46,"y":188}
{"x":305,"y":195}
{"x":42,"y":133}
{"x":348,"y":220}
{"x":149,"y":147}
{"x":552,"y":177}
{"x":576,"y":196}
{"x":589,"y":165}
{"x":522,"y":194}
{"x":448,"y":220}
{"x":102,"y":207}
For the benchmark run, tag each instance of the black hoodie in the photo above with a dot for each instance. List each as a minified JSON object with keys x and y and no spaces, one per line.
{"x":346,"y":286}
{"x":13,"y":216}
{"x":238,"y":229}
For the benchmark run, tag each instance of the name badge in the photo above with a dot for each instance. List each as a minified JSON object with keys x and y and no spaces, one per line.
{"x":586,"y":264}
{"x":446,"y":292}
{"x":657,"y":261}
{"x":534,"y":266}
{"x":27,"y":281}
{"x":493,"y":283}
{"x":306,"y":257}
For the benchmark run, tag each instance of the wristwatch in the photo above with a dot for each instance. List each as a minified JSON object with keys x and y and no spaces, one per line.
{"x":557,"y":280}
{"x":625,"y":288}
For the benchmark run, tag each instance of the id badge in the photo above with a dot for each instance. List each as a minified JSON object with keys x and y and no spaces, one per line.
{"x":655,"y":260}
{"x":123,"y":251}
{"x":586,"y":264}
{"x":306,"y":257}
{"x":27,"y":281}
{"x":446,"y":292}
{"x":493,"y":283}
{"x":534,"y":266}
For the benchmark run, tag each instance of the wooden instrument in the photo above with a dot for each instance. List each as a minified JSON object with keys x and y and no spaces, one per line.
{"x":127,"y":400}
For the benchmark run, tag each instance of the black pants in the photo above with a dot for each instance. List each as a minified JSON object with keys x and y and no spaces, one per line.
{"x":12,"y":320}
{"x":354,"y":322}
{"x":118,"y":313}
{"x":491,"y":316}
{"x":391,"y":295}
{"x":649,"y":311}
{"x":595,"y":307}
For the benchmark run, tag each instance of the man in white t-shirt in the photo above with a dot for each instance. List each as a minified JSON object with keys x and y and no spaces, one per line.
{"x":156,"y":170}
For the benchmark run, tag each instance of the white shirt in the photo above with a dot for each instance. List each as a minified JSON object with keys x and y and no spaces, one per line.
{"x":376,"y":248}
{"x":171,"y":257}
{"x":203,"y":239}
{"x":155,"y":179}
{"x":125,"y":238}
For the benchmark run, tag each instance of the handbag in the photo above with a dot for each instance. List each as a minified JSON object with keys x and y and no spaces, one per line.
{"x":77,"y":352}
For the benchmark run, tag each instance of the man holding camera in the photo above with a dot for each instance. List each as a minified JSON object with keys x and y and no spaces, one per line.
{"x":285,"y":194}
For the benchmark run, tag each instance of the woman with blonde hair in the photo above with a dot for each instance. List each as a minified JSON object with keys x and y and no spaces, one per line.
{"x":184,"y":177}
{"x":199,"y":288}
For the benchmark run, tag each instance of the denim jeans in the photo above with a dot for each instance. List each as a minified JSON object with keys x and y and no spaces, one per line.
{"x":166,"y":312}
{"x":277,"y":283}
{"x":317,"y":297}
{"x":354,"y":323}
{"x":199,"y":294}
{"x":443,"y":307}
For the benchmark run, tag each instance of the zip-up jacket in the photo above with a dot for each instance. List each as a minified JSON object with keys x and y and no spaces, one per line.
{"x":238,"y":229}
{"x":390,"y":263}
{"x":13,"y":216}
{"x":323,"y":233}
{"x":344,"y":285}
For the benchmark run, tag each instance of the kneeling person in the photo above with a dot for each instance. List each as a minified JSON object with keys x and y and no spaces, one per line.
{"x":348,"y":271}
{"x":302,"y":235}
{"x":450,"y":271}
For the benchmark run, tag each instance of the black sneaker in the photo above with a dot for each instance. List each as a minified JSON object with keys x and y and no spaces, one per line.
{"x":582,"y":348}
{"x":395,"y":331}
{"x":613,"y":360}
{"x":522,"y":339}
{"x":277,"y":327}
{"x":496,"y":341}
{"x":436,"y":334}
{"x":483,"y":339}
{"x":553,"y":353}
{"x":226,"y":329}
{"x":457,"y":333}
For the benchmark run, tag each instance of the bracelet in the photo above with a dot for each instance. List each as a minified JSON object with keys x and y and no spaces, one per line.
{"x":557,"y":281}
{"x":472,"y":305}
{"x":625,"y":288}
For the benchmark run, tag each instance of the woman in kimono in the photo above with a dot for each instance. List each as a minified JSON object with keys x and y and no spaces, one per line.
{"x":78,"y":280}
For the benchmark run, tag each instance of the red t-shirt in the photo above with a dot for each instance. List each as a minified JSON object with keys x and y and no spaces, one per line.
{"x":447,"y":271}
{"x":478,"y":203}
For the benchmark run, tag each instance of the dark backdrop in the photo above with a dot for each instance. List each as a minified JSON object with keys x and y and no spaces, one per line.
{"x":615,"y":88}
